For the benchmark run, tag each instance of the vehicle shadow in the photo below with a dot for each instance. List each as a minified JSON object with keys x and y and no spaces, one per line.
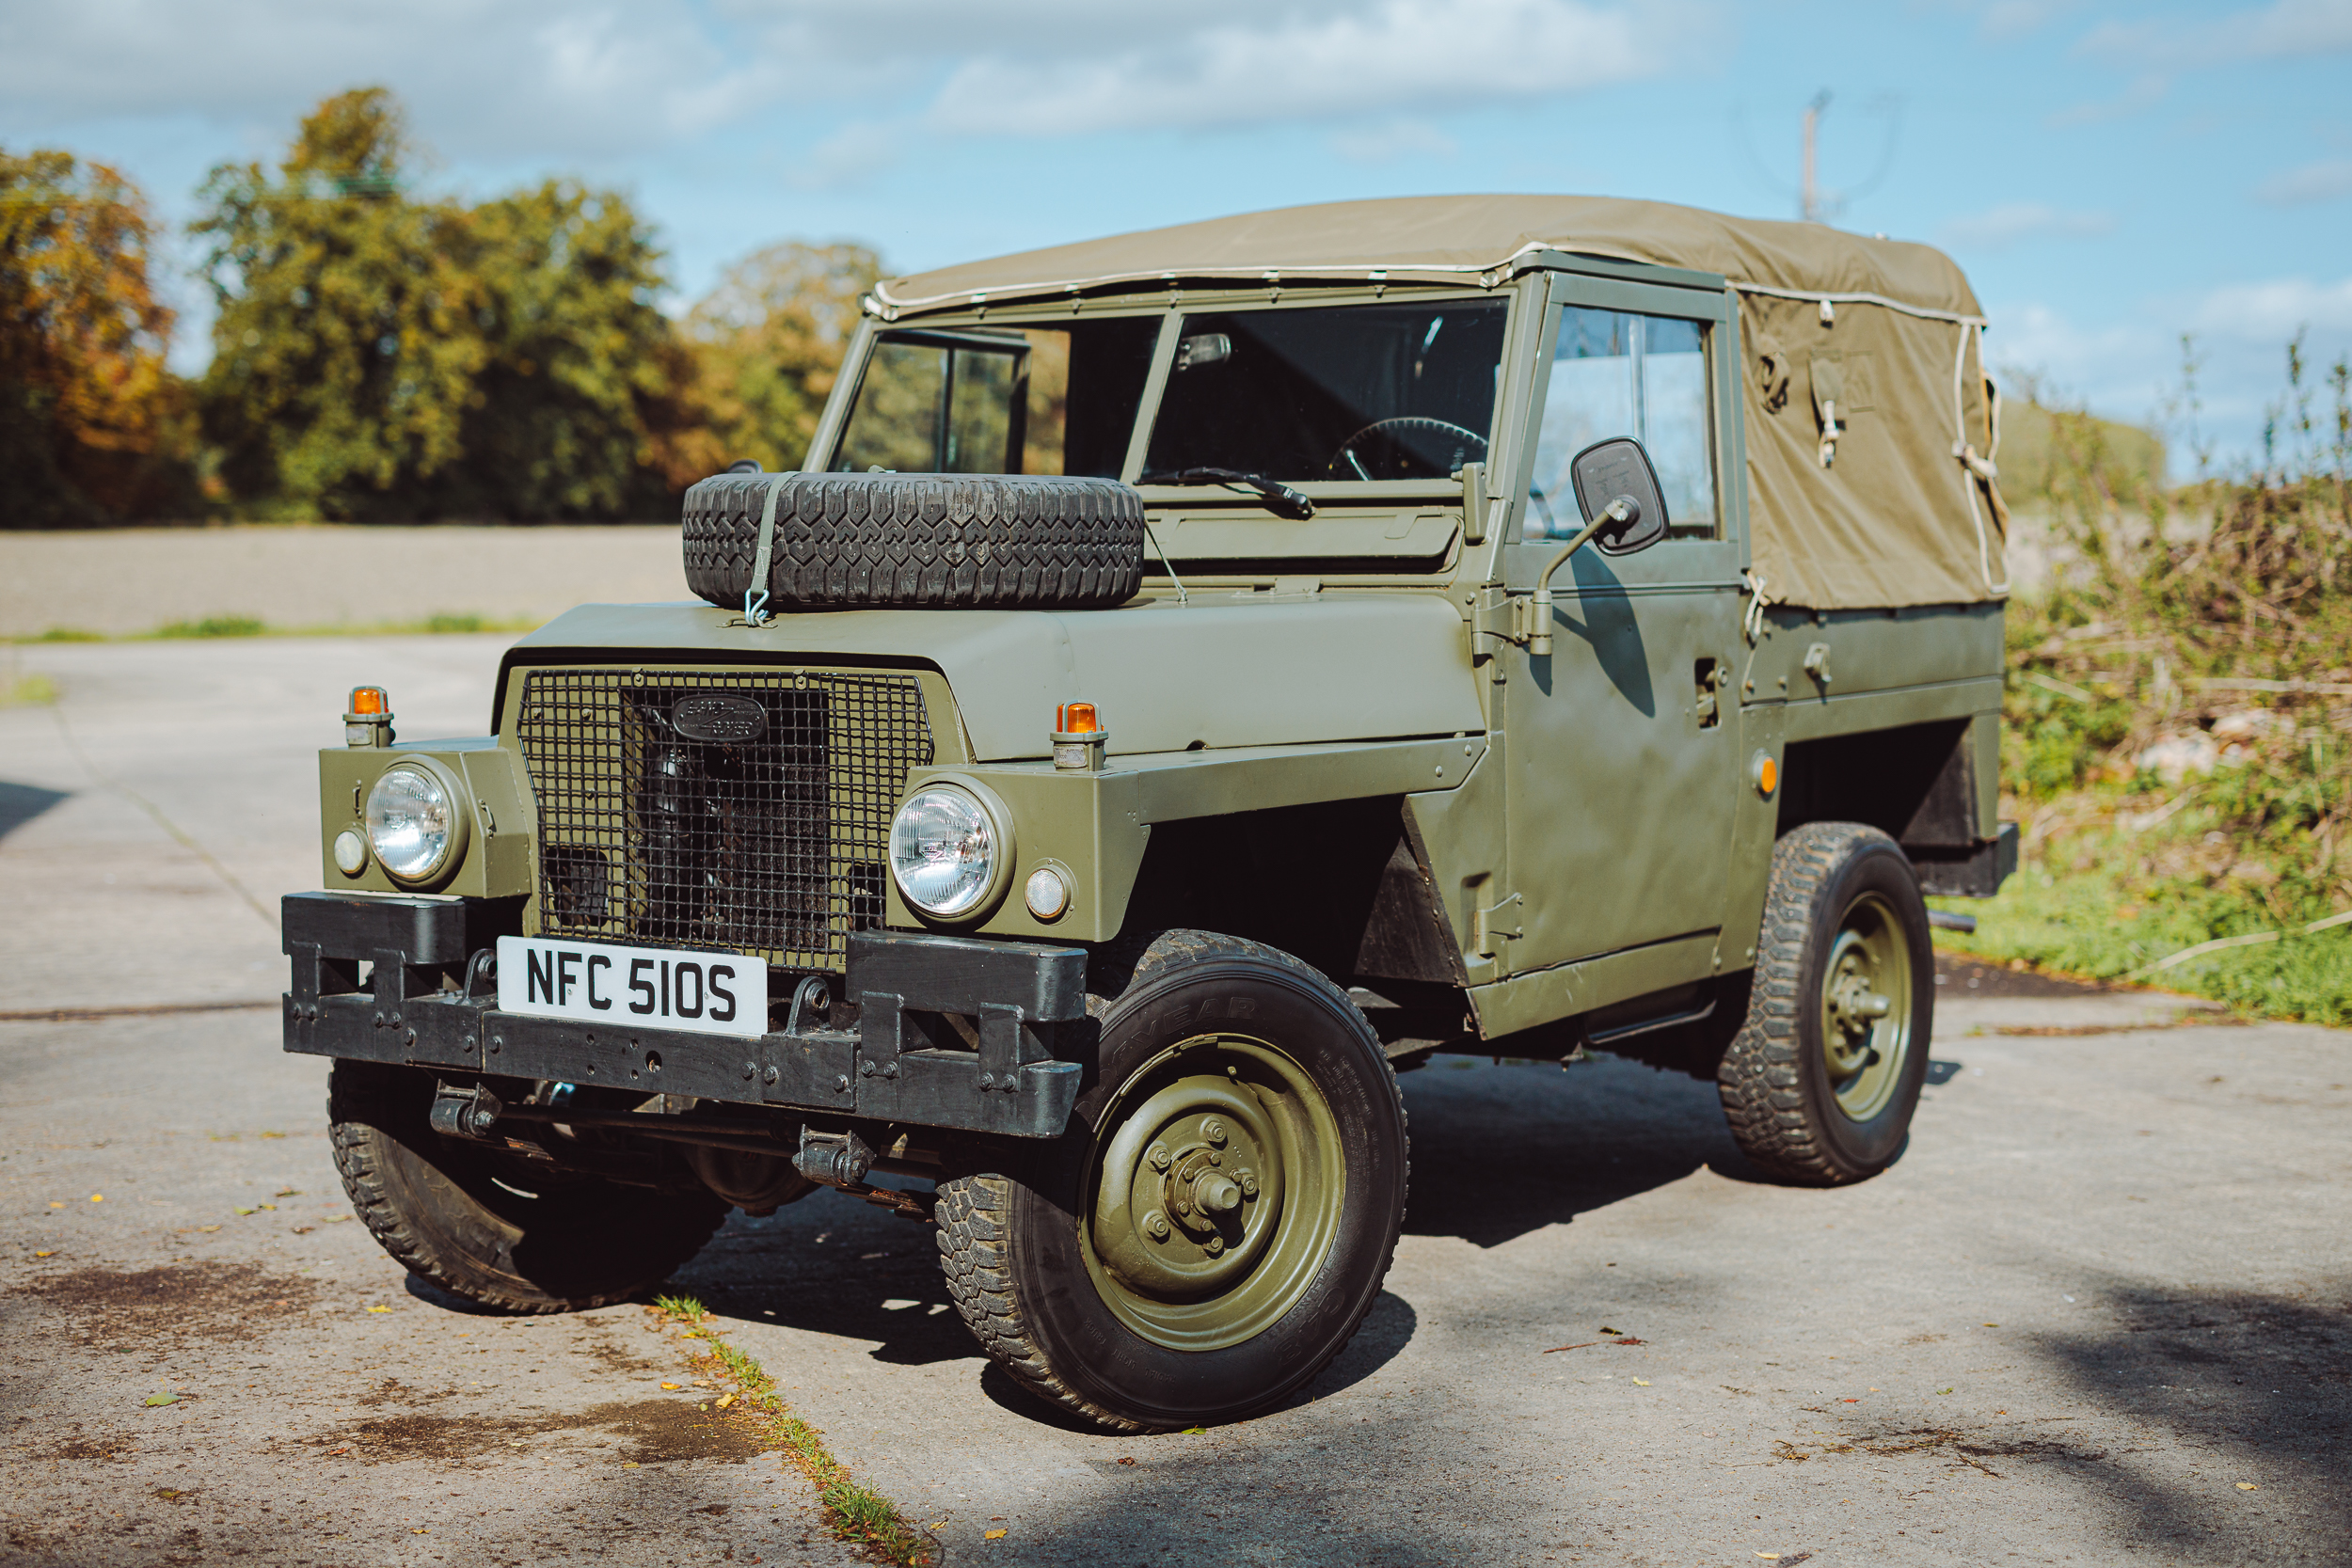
{"x":20,"y":804}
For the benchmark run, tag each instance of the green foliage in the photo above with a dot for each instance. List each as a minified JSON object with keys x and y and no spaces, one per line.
{"x":769,"y":342}
{"x":214,"y":626}
{"x":346,"y":346}
{"x":2175,"y":718}
{"x":91,"y":423}
{"x":378,"y":355}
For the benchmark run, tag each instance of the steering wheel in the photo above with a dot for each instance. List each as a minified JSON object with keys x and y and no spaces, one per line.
{"x":1347,"y":463}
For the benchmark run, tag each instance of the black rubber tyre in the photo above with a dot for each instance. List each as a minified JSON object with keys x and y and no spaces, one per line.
{"x":1016,"y":1246}
{"x":936,"y":541}
{"x":1819,"y":1087}
{"x":494,"y":1227}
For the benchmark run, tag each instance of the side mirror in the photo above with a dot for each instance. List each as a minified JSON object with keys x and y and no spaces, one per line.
{"x":1616,"y":487}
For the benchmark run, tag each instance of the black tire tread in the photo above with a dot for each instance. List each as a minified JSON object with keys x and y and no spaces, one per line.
{"x":1763,"y":1096}
{"x":972,"y":1208}
{"x":358,"y":1094}
{"x":923,"y":541}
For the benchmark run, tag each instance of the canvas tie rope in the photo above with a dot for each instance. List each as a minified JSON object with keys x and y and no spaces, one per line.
{"x":1974,"y":469}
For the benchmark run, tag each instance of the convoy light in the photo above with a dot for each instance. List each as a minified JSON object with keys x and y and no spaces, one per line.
{"x":1076,"y":719}
{"x":412,"y":822}
{"x":946,"y":850}
{"x":1764,"y":773}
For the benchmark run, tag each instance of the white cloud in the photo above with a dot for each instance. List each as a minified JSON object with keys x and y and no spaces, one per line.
{"x":2274,"y":311}
{"x":2008,"y":225}
{"x":2320,"y":182}
{"x":848,"y":158}
{"x":2286,"y":29}
{"x":1299,"y":64}
{"x":496,"y":78}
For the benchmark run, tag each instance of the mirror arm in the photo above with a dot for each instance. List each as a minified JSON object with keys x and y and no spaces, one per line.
{"x":1615,"y":513}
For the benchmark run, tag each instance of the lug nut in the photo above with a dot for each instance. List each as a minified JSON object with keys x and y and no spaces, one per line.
{"x":1213,"y":1246}
{"x":1158,"y":1156}
{"x":1249,"y":1180}
{"x":1212,"y":1130}
{"x":1156,"y":1226}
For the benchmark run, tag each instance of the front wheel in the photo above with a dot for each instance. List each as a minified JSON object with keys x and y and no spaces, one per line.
{"x":1821,"y":1083}
{"x":1219,"y":1219}
{"x":492,"y":1226}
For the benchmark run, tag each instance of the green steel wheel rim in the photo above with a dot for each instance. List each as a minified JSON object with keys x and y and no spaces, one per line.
{"x":1215,"y":1194}
{"x":1866,"y":1007}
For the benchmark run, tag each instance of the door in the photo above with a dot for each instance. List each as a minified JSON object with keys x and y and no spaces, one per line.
{"x":1621,"y":748}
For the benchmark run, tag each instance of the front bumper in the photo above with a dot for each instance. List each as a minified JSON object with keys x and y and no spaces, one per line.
{"x":1012,"y":997}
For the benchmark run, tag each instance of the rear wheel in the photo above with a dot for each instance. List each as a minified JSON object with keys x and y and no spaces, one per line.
{"x":493,"y":1227}
{"x":1218,"y":1221}
{"x":1821,"y":1083}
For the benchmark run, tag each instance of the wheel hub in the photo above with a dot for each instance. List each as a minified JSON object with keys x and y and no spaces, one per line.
{"x":1198,"y":1225}
{"x":1865,"y":1008}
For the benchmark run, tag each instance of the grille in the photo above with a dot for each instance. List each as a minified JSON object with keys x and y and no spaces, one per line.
{"x":744,"y":812}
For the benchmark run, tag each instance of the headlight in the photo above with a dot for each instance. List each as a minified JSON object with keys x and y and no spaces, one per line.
{"x":944,"y":850}
{"x":411,"y":822}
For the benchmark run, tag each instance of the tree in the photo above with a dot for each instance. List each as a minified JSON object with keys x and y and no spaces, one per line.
{"x":347,"y":343}
{"x":88,"y":413}
{"x":576,"y":412}
{"x":770,"y":340}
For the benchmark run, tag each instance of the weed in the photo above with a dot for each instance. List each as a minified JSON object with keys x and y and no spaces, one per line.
{"x":214,"y":626}
{"x":27,"y":691}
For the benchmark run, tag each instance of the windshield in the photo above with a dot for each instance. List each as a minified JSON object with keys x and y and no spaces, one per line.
{"x":980,"y":401}
{"x":1342,"y":393}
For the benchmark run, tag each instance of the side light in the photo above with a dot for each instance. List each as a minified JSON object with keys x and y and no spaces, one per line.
{"x":1079,"y":737}
{"x":1764,"y":773}
{"x":367,"y":722}
{"x":1047,"y":893}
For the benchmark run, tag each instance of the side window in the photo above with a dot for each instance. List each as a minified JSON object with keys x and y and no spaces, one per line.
{"x":1617,"y":373}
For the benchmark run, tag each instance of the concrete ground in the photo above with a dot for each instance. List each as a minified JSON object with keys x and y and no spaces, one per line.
{"x":120,"y":582}
{"x":2097,"y":1314}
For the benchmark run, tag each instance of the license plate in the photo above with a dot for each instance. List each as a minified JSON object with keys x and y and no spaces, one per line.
{"x":660,"y":988}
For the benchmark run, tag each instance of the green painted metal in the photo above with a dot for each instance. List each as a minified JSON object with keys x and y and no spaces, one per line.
{"x":1215,"y":1192}
{"x":1865,"y":1005}
{"x":495,"y":856}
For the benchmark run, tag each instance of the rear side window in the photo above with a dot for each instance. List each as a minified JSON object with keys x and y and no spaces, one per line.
{"x":1342,"y":392}
{"x":1043,"y":400}
{"x":1614,"y":373}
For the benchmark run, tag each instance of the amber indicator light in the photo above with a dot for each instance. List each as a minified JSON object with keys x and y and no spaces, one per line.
{"x":1075,"y":718}
{"x":367,"y":699}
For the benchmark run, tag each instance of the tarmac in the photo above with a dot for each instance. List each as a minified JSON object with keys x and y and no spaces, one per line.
{"x":2096,"y":1314}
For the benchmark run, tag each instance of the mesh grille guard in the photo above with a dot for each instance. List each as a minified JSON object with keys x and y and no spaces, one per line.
{"x":746,"y":812}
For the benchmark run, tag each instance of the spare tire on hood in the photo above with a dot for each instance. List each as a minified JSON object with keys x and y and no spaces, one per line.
{"x":931,"y":540}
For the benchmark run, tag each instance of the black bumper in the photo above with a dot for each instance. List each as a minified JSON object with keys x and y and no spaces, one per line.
{"x":888,"y":1068}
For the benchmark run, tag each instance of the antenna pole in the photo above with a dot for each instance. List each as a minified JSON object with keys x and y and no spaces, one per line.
{"x":1809,"y":199}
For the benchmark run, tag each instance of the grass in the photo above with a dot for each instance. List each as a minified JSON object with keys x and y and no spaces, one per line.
{"x":854,"y":1510}
{"x":2175,"y":723}
{"x":246,"y":625}
{"x":27,"y":691}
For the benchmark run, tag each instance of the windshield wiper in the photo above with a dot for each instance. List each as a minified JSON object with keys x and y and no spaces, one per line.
{"x":1280,"y":498}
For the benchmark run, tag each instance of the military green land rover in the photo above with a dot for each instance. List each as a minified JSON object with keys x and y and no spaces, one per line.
{"x":1193,"y":677}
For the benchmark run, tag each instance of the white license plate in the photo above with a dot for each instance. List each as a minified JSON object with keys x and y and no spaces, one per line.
{"x":660,"y":987}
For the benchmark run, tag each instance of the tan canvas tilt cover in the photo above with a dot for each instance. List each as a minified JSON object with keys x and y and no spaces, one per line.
{"x":1870,"y":427}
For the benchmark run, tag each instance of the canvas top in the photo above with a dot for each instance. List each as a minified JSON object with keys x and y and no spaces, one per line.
{"x":1460,"y":238}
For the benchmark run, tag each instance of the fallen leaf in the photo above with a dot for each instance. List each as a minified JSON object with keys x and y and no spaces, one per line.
{"x":1193,"y":1432}
{"x":628,"y":1465}
{"x":1642,"y":1381}
{"x":1125,"y":1459}
{"x":163,"y":1399}
{"x":380,"y":1310}
{"x":2247,"y":1486}
{"x":673,"y":1386}
{"x":1993,"y":1325}
{"x":690,"y":1334}
{"x":304,"y":1230}
{"x":1849,"y":1402}
{"x":168,"y":1494}
{"x":44,"y":1255}
{"x":57,"y":1206}
{"x":418,"y":1531}
{"x":337,"y":1219}
{"x":245,"y":1210}
{"x":332,"y":1452}
{"x":1770,"y":1557}
{"x":1634,"y":1341}
{"x":1942,"y":1390}
{"x":993,"y":1535}
{"x":723,"y":1400}
{"x":270,"y":1206}
{"x":1605,"y":1329}
{"x":98,"y":1197}
{"x":289,"y":1191}
{"x":1586,"y":1345}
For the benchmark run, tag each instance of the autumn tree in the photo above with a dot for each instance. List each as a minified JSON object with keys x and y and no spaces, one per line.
{"x":770,"y":341}
{"x":89,"y":426}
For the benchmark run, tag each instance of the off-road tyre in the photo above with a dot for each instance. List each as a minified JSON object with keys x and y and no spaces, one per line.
{"x":436,"y":1205}
{"x":1010,"y":1240}
{"x":921,"y":541}
{"x":1776,"y":1079}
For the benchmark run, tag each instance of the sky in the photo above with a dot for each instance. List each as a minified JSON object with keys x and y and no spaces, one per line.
{"x":2110,"y":176}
